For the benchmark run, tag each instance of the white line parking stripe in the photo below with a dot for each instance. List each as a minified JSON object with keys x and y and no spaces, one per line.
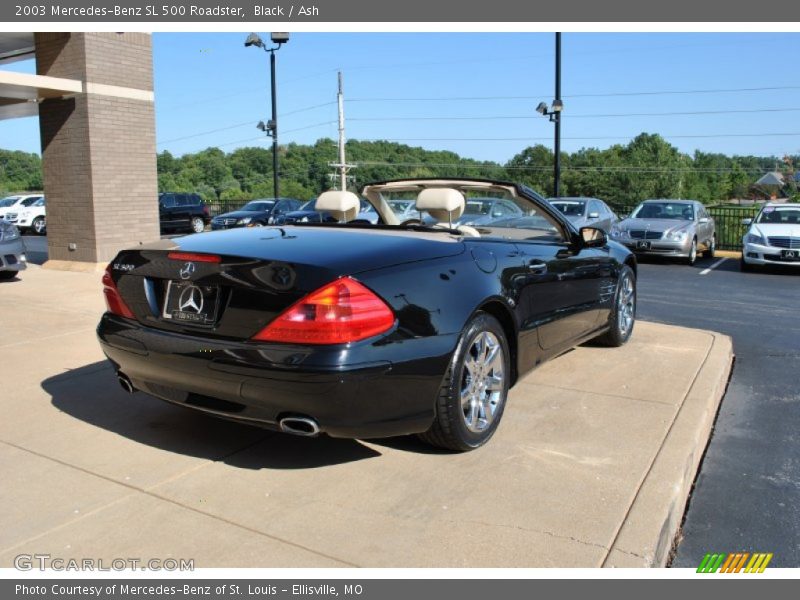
{"x":712,"y":267}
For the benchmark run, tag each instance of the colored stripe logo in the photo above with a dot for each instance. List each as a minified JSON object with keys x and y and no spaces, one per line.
{"x":735,"y":562}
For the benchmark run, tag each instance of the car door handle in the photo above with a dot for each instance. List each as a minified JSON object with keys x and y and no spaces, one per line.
{"x":537,"y":266}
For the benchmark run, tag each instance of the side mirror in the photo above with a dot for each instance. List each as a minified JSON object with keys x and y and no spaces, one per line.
{"x":594,"y":215}
{"x":496,"y":214}
{"x":592,"y":237}
{"x":703,"y":220}
{"x":747,"y":221}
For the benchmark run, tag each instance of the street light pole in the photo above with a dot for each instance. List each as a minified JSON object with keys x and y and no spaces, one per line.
{"x":557,"y":102}
{"x":553,"y":112}
{"x":275,"y":184}
{"x":271,"y":127}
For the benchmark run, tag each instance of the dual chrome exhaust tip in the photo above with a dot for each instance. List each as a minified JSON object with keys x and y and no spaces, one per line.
{"x":125,"y":382}
{"x":304,"y":426}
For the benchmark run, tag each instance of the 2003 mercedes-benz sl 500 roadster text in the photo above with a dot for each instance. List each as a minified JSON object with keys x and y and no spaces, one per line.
{"x":367,"y":330}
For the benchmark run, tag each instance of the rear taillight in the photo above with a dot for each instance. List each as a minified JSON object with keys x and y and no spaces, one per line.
{"x":114,"y":301}
{"x":205,"y":210}
{"x":340,"y":312}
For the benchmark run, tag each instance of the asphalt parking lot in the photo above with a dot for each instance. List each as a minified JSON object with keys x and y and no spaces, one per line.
{"x":747,"y":496}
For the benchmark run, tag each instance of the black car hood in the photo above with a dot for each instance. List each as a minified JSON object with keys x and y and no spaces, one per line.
{"x":342,"y":250}
{"x":241,"y":214}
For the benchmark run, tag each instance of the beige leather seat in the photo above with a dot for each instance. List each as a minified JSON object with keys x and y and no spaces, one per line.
{"x":445,"y":205}
{"x":342,"y":206}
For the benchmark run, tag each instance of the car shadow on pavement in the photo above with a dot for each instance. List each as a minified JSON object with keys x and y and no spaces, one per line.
{"x":92,"y":394}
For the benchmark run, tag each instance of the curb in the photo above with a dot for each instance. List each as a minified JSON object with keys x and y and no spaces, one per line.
{"x":655,"y":516}
{"x":728,"y":254}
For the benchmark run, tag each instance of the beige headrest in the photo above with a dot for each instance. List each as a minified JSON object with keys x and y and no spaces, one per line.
{"x":443,"y":204}
{"x":342,"y":206}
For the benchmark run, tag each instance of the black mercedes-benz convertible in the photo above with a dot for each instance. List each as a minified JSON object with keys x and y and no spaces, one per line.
{"x":367,"y":330}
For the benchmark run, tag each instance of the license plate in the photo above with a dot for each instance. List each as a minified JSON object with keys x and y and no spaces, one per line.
{"x":790,"y":254}
{"x":191,"y":303}
{"x":643,"y":245}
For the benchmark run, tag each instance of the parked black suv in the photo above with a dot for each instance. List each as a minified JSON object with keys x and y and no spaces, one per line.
{"x":180,"y":211}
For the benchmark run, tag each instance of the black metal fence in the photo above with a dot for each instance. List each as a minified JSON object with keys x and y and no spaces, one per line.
{"x":727,"y":220}
{"x":218,"y":207}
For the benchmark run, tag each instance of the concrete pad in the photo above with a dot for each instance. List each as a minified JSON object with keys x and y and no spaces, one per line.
{"x":30,"y":506}
{"x":529,"y":482}
{"x":660,"y":501}
{"x":591,"y":466}
{"x":144,"y":527}
{"x":659,"y":366}
{"x":85,"y":419}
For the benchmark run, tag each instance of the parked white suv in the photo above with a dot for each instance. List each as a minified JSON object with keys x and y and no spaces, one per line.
{"x":31,"y":217}
{"x":16,"y":202}
{"x":773,"y":237}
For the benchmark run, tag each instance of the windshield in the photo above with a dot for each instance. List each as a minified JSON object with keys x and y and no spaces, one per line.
{"x":6,"y":202}
{"x":679,"y":211}
{"x":478,"y":207}
{"x":34,"y":201}
{"x":308,"y":205}
{"x":783,"y":215}
{"x":491,"y":210}
{"x":571,"y":208}
{"x":401,"y":206}
{"x":258,"y":206}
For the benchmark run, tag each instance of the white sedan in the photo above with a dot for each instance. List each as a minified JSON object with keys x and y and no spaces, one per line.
{"x":773,"y":237}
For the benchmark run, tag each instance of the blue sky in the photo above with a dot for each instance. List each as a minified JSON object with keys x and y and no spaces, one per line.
{"x":474,"y":93}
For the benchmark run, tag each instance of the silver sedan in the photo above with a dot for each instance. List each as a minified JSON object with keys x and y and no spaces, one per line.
{"x":586,"y":212}
{"x":12,"y":251}
{"x":673,"y":228}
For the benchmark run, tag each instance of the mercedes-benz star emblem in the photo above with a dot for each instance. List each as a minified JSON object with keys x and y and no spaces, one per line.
{"x":191,"y":297}
{"x":187,"y":270}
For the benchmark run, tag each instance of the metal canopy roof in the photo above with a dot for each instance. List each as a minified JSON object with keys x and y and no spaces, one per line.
{"x":21,"y":92}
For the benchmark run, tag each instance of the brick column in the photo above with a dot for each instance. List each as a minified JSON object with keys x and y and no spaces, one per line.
{"x":98,"y":148}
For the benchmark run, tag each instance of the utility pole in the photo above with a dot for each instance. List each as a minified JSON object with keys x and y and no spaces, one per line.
{"x":342,"y":164}
{"x":557,"y":102}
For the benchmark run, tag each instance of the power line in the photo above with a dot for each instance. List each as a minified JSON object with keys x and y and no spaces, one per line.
{"x":548,"y":168}
{"x":243,"y":124}
{"x":589,"y":95}
{"x":597,"y":138}
{"x":578,"y":116}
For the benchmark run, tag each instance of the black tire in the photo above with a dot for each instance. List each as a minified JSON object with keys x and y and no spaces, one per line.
{"x":197,"y":225}
{"x":712,"y":248}
{"x":692,"y":258}
{"x":449,"y":429}
{"x":39,"y":226}
{"x":7,"y":275}
{"x":746,"y":267}
{"x":617,"y":335}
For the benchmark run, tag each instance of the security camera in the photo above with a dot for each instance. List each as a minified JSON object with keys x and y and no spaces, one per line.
{"x":279,"y":37}
{"x":254,"y":40}
{"x":542,"y":108}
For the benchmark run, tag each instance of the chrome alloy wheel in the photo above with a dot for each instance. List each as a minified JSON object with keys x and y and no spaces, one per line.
{"x":626,"y":304}
{"x":482,"y":381}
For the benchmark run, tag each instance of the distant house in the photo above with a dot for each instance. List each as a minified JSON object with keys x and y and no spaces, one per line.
{"x":770,"y":185}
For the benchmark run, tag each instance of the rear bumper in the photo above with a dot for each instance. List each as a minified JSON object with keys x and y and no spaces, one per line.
{"x":258,"y":384}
